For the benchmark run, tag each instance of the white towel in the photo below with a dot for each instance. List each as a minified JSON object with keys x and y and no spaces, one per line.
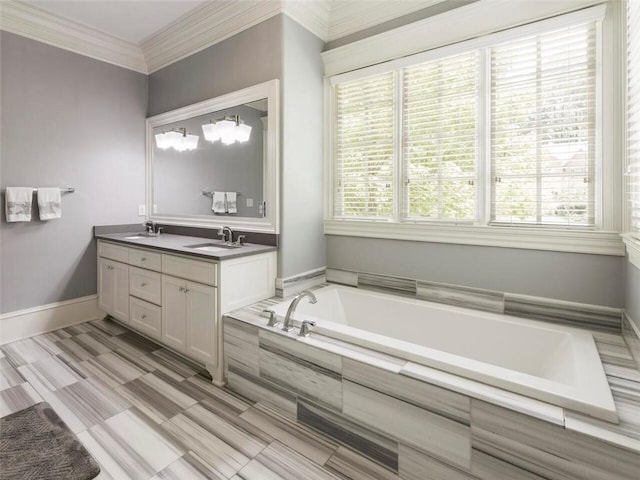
{"x":49,"y":203}
{"x":232,"y":205}
{"x":219,"y":204}
{"x":18,"y":204}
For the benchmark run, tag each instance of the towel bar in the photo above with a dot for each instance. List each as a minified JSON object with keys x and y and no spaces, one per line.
{"x":207,"y":193}
{"x":62,"y":190}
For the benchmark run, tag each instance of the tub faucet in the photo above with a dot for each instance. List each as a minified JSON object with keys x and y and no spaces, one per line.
{"x":305,"y":328}
{"x":287,"y":327}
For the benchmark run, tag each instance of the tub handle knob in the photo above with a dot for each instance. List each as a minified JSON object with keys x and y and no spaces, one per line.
{"x":273,"y":320}
{"x":305,"y":328}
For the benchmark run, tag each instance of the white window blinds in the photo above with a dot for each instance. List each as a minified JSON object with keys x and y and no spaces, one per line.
{"x":440,"y":108}
{"x":501,"y":130}
{"x":543,"y":132}
{"x":364,"y":147}
{"x":633,"y":114}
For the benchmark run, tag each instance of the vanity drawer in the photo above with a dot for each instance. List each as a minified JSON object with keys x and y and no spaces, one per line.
{"x":145,"y":259}
{"x":203,"y":272}
{"x":145,"y":284}
{"x":146,"y":317}
{"x":114,"y":252}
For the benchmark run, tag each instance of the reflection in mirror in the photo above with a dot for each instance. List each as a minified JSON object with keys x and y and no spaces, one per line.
{"x":204,"y":180}
{"x":192,"y":178}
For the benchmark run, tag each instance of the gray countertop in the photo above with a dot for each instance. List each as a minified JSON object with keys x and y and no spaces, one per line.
{"x":179,"y":244}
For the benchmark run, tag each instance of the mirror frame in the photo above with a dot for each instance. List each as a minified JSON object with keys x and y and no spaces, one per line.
{"x":270,"y":222}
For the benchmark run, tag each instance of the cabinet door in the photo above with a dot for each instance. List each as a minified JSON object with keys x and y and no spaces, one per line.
{"x":201,"y":322}
{"x":173,"y":312}
{"x":113,"y":289}
{"x":121,"y":292}
{"x":106,"y":285}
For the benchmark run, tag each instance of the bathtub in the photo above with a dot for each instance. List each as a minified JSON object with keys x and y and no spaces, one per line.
{"x":554,"y":364}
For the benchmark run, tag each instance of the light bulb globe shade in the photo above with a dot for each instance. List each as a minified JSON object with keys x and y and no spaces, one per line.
{"x":190,"y":141}
{"x":162,"y":141}
{"x":180,"y":147}
{"x":243,"y":132}
{"x":227,"y":130}
{"x":211,"y":132}
{"x":173,"y":138}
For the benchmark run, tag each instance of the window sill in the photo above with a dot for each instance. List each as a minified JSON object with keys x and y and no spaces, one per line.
{"x":558,"y":240}
{"x":633,"y":248}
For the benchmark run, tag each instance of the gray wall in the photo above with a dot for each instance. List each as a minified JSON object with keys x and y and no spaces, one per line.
{"x":594,"y":279}
{"x":277,"y":48}
{"x":248,"y":58}
{"x":70,"y":120}
{"x":632,"y":292}
{"x":180,"y":177}
{"x":582,"y":278}
{"x":302,"y":241}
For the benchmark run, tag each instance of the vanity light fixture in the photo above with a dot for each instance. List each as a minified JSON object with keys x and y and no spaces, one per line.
{"x":179,"y":140}
{"x":228,"y":130}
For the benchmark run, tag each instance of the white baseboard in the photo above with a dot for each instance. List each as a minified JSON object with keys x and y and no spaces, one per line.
{"x":45,"y":318}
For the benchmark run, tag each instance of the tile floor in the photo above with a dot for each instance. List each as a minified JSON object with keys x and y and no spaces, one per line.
{"x":145,"y":413}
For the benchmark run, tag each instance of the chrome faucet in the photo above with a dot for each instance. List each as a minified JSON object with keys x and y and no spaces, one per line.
{"x":221,"y":232}
{"x":150,"y":226}
{"x":273,"y":319}
{"x":305,"y":328}
{"x":287,"y":327}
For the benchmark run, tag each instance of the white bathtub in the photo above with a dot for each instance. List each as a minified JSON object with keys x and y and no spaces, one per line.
{"x":555,"y":364}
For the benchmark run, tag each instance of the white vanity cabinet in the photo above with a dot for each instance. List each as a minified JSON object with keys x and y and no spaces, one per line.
{"x":113,"y":283}
{"x":189,"y":318}
{"x":179,"y":300}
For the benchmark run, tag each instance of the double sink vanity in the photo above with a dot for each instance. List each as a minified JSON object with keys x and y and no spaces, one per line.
{"x":175,"y":288}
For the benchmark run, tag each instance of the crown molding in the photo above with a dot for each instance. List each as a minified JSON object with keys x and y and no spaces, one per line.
{"x":207,"y":25}
{"x":203,"y":27}
{"x":313,"y":15}
{"x":27,"y":21}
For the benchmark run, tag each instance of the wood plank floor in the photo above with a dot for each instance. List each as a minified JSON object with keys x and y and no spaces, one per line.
{"x":145,"y":413}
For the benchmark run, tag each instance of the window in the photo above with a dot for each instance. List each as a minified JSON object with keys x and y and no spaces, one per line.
{"x":633,"y":116}
{"x":364,"y":147}
{"x":439,"y":141}
{"x":543,"y":109}
{"x":497,"y":133}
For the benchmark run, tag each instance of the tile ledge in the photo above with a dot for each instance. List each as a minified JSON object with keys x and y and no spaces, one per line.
{"x":575,"y":423}
{"x":332,"y":345}
{"x":512,"y":401}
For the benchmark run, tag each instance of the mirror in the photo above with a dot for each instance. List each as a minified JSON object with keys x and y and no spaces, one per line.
{"x":215,"y":163}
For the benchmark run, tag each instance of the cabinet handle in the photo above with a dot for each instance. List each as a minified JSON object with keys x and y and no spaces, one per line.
{"x":143,"y":316}
{"x":109,"y":267}
{"x":143,"y":259}
{"x":186,"y":290}
{"x":181,"y":289}
{"x":143,"y":284}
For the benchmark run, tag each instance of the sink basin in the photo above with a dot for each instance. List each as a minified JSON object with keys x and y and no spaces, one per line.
{"x":140,"y":235}
{"x":212,"y":247}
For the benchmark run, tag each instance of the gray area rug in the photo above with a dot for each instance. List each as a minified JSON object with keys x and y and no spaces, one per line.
{"x":36,"y":444}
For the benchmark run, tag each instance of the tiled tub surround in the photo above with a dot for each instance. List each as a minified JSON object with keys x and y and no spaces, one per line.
{"x":632,"y":337}
{"x":424,"y":424}
{"x":552,"y":363}
{"x":592,"y":317}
